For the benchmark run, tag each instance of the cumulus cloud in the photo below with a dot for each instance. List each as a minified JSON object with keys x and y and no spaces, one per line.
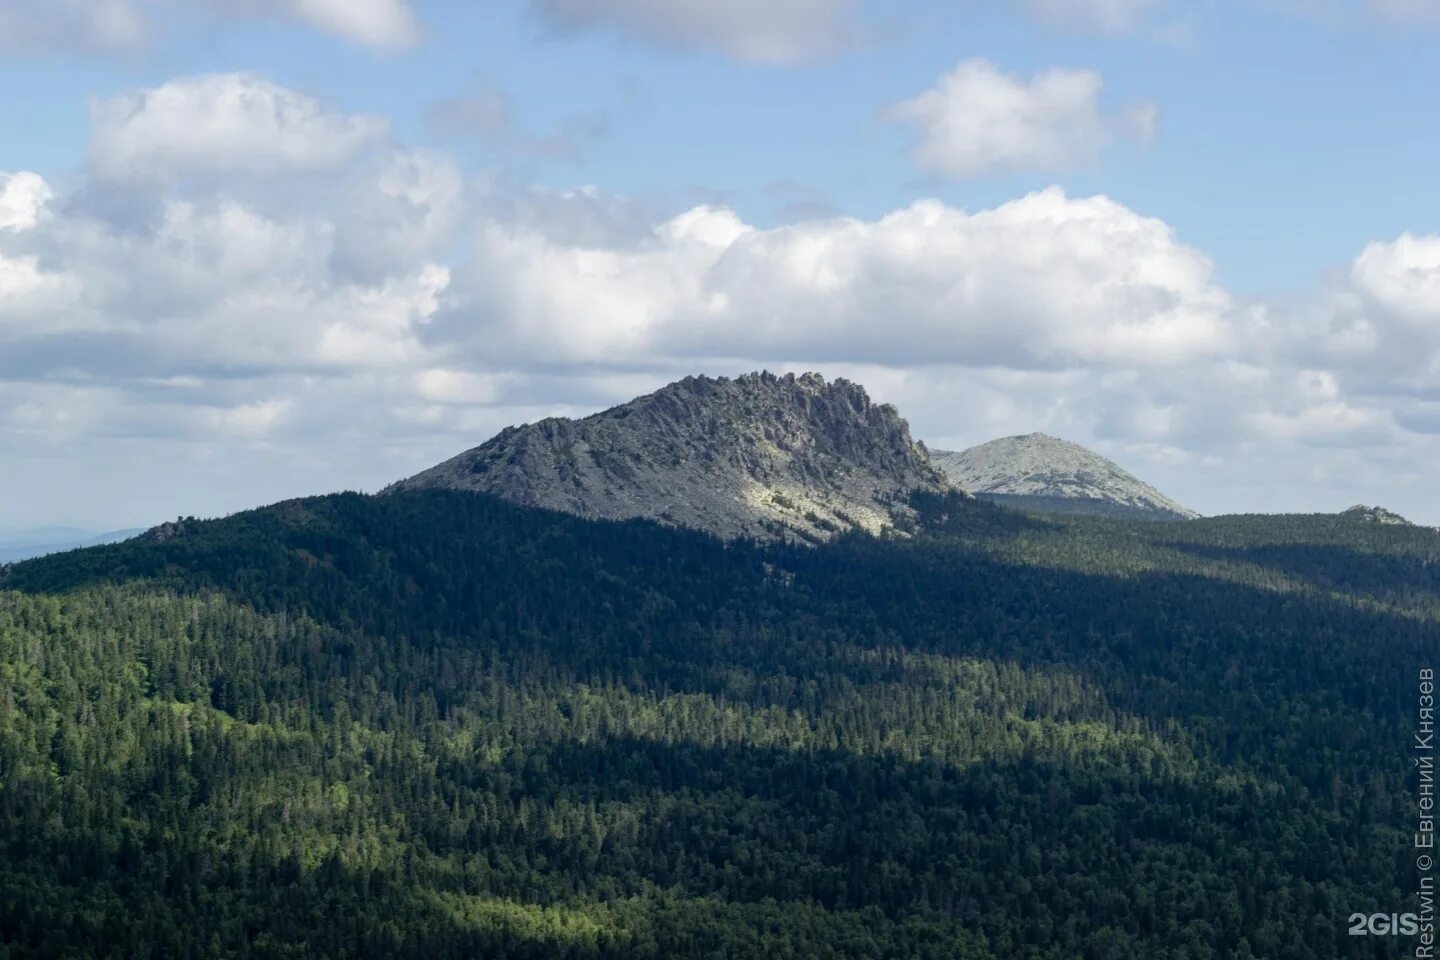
{"x":1402,"y":278}
{"x":1039,"y":282}
{"x":216,"y":286}
{"x":978,"y":120}
{"x":766,"y":31}
{"x":387,"y":218}
{"x":255,"y":266}
{"x":23,"y":196}
{"x":218,"y":124}
{"x":1381,"y":322}
{"x":26,"y":289}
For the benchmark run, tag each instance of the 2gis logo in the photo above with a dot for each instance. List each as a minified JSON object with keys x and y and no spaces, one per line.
{"x":1384,"y":924}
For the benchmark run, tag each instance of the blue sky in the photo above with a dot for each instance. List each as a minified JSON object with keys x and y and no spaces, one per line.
{"x":252,"y":255}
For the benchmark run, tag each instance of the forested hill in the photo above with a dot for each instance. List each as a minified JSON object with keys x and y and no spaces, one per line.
{"x":434,"y":724}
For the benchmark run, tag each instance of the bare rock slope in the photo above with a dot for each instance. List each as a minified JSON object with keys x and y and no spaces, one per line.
{"x":1050,"y":475}
{"x":759,"y":455}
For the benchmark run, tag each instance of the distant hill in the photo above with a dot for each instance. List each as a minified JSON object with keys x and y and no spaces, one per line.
{"x":1049,"y":475}
{"x":17,"y":545}
{"x":760,"y":455}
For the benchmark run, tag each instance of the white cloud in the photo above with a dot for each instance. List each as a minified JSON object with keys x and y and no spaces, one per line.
{"x":383,"y":24}
{"x":1381,"y":324}
{"x":28,"y":27}
{"x":219,"y":285}
{"x":23,"y":197}
{"x":458,"y":386}
{"x":378,"y":326}
{"x":789,"y":31}
{"x":253,"y":421}
{"x":1407,"y":11}
{"x":1103,"y":16}
{"x":767,"y":31}
{"x":1040,"y":282}
{"x":26,"y":289}
{"x":377,"y":23}
{"x":1403,"y":278}
{"x":394,"y":215}
{"x":218,"y":124}
{"x":978,"y":120}
{"x":257,"y":265}
{"x":1329,"y":420}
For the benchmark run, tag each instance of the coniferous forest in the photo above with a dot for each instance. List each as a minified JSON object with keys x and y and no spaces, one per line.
{"x":439,"y":725}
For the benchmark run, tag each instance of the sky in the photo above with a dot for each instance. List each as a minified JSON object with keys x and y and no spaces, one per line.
{"x":258,"y":249}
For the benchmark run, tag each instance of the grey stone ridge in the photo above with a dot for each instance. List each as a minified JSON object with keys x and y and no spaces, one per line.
{"x":759,"y":455}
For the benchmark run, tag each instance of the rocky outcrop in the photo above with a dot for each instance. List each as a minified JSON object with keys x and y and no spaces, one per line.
{"x":1049,"y":475}
{"x":1375,"y":515}
{"x":759,"y":455}
{"x":170,"y":529}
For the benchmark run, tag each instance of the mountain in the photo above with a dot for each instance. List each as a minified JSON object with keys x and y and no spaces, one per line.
{"x":434,"y":724}
{"x":16,"y":545}
{"x":760,"y":455}
{"x":1049,"y":475}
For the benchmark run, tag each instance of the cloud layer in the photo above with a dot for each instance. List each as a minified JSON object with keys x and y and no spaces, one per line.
{"x":1102,"y":16}
{"x":764,"y":31}
{"x":377,"y":23}
{"x":29,"y":27}
{"x":286,"y":284}
{"x":756,"y":31}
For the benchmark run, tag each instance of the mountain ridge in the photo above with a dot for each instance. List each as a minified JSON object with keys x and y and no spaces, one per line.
{"x":760,"y":455}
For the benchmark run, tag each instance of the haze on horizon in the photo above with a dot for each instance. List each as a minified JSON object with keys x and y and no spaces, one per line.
{"x":247,"y":257}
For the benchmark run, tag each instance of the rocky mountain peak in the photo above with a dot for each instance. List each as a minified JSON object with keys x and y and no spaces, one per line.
{"x":1375,"y":515}
{"x":758,"y":455}
{"x":1039,"y":472}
